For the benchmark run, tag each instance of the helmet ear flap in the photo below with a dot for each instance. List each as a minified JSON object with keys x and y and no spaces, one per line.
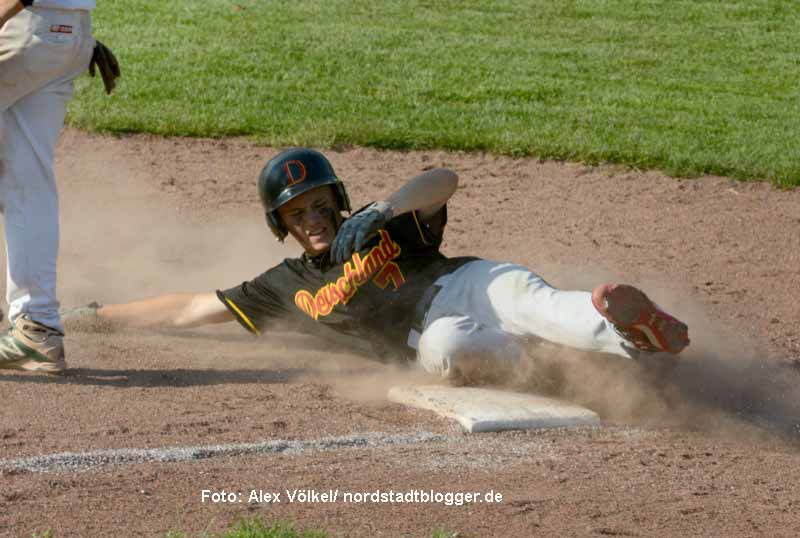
{"x":276,"y":226}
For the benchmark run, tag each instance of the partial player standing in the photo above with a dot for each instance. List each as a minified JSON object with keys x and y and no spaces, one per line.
{"x":44,"y":45}
{"x":379,"y":277}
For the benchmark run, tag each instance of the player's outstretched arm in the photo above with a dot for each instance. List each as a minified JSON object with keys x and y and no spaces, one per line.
{"x":176,"y":310}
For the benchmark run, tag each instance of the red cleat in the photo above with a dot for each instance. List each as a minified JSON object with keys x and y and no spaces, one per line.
{"x":639,"y":320}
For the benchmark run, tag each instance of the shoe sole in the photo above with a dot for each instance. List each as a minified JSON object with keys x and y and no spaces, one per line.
{"x":628,"y":308}
{"x":54,"y":368}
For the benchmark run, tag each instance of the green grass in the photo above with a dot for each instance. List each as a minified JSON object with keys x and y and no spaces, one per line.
{"x":253,"y":528}
{"x":688,"y":87}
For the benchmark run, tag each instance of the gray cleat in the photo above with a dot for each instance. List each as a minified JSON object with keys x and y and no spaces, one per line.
{"x":29,"y":345}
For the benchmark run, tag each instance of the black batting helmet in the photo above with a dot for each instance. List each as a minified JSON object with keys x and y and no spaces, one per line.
{"x":291,"y":173}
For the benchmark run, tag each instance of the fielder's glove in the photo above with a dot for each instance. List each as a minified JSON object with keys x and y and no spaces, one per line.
{"x":358,"y":229}
{"x":107,"y":64}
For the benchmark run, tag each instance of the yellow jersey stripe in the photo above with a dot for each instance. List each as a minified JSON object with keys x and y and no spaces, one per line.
{"x":419,"y":228}
{"x":243,"y":317}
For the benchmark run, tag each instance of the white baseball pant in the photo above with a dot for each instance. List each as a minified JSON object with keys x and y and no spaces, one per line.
{"x":491,"y":308}
{"x":41,"y":51}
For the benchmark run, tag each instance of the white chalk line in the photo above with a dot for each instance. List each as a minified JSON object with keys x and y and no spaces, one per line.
{"x":84,"y":461}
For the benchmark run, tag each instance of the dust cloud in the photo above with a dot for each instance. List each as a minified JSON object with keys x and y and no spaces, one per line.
{"x":132,"y":252}
{"x":721,"y":384}
{"x":139,"y":247}
{"x":123,"y":239}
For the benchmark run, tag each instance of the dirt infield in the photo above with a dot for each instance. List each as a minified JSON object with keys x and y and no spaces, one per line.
{"x":153,"y":418}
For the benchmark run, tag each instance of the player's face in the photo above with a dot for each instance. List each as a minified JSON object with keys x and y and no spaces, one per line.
{"x":312,"y":219}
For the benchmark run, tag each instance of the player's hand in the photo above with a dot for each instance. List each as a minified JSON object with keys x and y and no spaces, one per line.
{"x":358,"y":229}
{"x":84,"y":312}
{"x":105,"y":61}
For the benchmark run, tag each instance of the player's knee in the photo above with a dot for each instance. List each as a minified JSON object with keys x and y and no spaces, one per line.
{"x":469,"y":367}
{"x":463,"y":353}
{"x":440,"y":347}
{"x":437,"y":360}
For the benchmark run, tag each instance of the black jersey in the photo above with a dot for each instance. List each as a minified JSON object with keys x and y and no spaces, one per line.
{"x":371,"y":297}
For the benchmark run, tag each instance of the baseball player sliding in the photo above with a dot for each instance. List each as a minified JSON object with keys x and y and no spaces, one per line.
{"x":44,"y":45}
{"x":378,"y":276}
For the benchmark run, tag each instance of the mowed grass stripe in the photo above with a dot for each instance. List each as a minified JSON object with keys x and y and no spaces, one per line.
{"x":689,"y":87}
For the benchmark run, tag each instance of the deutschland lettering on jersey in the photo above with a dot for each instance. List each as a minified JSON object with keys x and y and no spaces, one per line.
{"x":377,"y":266}
{"x":370,"y":297}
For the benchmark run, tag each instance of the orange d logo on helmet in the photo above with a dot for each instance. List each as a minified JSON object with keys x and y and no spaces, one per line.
{"x":295,"y":171}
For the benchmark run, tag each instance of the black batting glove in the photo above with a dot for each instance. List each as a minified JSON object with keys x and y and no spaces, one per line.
{"x":107,"y":64}
{"x":358,"y":229}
